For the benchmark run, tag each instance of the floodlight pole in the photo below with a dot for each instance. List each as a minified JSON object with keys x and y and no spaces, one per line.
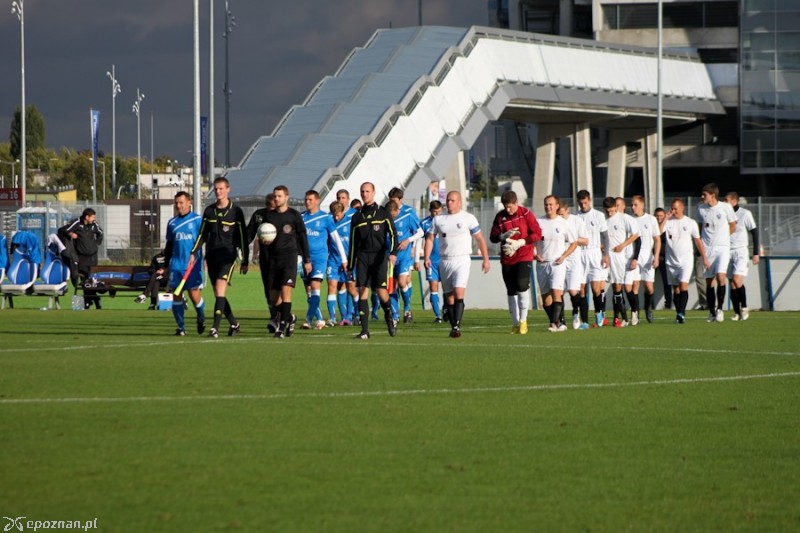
{"x":198,"y":204}
{"x":18,"y":8}
{"x":210,"y":163}
{"x":137,"y":107}
{"x":115,"y":90}
{"x":230,"y":22}
{"x":659,"y":196}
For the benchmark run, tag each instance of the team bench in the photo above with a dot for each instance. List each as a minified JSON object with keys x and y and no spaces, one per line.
{"x":121,"y":278}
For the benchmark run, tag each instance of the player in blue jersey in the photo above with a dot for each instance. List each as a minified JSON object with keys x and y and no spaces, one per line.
{"x":432,"y":274}
{"x":351,"y":293}
{"x":320,"y":229}
{"x":338,"y":280}
{"x":182,"y":232}
{"x":408,"y":232}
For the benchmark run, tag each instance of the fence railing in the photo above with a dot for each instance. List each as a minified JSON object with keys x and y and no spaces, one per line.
{"x":134,"y":231}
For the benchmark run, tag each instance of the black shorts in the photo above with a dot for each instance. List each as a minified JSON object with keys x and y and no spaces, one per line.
{"x":371,"y":270}
{"x":517,"y":277}
{"x":281,"y":272}
{"x":220,"y":265}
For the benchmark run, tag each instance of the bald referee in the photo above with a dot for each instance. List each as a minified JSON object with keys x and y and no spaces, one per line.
{"x":373,"y":244}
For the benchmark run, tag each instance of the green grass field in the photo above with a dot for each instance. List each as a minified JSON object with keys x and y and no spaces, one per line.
{"x":104,"y":414}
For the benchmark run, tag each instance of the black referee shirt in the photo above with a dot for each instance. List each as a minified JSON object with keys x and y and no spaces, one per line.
{"x":292,"y":239}
{"x":223,"y":229}
{"x":372,"y":231}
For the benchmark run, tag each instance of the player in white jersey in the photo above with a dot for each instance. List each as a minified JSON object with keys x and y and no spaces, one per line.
{"x":596,"y":254}
{"x":576,"y":269}
{"x":456,"y":230}
{"x":680,"y":232}
{"x":740,"y":256}
{"x":622,"y":232}
{"x":632,"y":276}
{"x":648,"y":256}
{"x":558,"y":242}
{"x":717,"y":223}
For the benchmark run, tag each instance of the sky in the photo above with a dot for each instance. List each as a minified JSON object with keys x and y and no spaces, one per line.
{"x":278,"y":52}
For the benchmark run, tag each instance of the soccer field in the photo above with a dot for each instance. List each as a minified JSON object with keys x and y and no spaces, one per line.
{"x":661,"y":427}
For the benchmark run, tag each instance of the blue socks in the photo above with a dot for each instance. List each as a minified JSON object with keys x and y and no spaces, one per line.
{"x":435,"y":304}
{"x":313,"y":305}
{"x":332,"y":307}
{"x":177,"y":312}
{"x":406,"y":294}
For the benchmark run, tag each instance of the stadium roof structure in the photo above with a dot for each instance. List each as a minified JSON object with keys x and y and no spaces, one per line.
{"x":399,"y":109}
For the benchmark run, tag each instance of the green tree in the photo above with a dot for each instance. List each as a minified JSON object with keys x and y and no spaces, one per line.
{"x":34,"y":130}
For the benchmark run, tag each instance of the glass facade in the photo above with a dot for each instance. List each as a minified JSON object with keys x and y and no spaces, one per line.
{"x":641,"y":15}
{"x":770,"y":86}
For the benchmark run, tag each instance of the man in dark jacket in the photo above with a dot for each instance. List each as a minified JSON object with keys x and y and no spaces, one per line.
{"x":82,"y":238}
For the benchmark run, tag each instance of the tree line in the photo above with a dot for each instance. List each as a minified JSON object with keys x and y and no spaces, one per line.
{"x":68,"y":167}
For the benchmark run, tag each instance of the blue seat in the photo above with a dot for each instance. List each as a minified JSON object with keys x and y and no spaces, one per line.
{"x":23,"y":268}
{"x":22,"y":273}
{"x":54,"y":279}
{"x":3,"y":257}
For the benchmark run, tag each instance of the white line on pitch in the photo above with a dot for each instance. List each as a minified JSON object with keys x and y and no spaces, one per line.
{"x":326,"y":340}
{"x":408,"y":392}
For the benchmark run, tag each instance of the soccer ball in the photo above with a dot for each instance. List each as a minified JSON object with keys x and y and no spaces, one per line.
{"x":267,"y":233}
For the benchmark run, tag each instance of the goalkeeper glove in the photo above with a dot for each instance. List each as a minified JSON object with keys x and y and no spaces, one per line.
{"x":512,"y":245}
{"x":509,"y":233}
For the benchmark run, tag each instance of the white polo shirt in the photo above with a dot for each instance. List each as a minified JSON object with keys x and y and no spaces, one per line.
{"x":595,"y":222}
{"x":556,"y":238}
{"x":648,"y":232}
{"x":680,"y":238}
{"x":455,"y":233}
{"x":714,"y":224}
{"x":744,"y":224}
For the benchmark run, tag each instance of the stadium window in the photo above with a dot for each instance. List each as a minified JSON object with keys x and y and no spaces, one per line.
{"x":788,"y":40}
{"x":759,"y":5}
{"x":789,"y":158}
{"x":721,"y":14}
{"x":762,"y":159}
{"x":718,"y":55}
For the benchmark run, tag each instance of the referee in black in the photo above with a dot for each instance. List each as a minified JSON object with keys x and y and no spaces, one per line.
{"x":373,"y":244}
{"x":260,"y":250}
{"x":223,"y":231}
{"x":281,"y":266}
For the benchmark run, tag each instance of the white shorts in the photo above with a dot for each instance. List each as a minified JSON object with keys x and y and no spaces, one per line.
{"x":620,"y":270}
{"x":739,"y":264}
{"x":718,"y":259}
{"x":680,"y":273}
{"x":551,"y":276}
{"x":646,"y":270}
{"x":594,"y":265}
{"x":454,"y":272}
{"x":576,"y":272}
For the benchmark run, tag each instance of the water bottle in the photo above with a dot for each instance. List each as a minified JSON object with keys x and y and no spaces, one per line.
{"x":77,"y":302}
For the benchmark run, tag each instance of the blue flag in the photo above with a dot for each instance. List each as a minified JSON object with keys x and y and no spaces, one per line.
{"x":95,"y":119}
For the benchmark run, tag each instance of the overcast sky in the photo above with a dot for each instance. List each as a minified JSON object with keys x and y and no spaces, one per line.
{"x":278,"y":52}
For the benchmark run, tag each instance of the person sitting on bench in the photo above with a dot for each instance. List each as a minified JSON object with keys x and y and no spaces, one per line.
{"x":156,"y":275}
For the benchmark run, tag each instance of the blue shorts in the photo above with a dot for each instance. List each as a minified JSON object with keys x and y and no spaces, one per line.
{"x":335,"y":272}
{"x":404,"y":264}
{"x":194,"y":281}
{"x":432,"y":273}
{"x":319,"y":264}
